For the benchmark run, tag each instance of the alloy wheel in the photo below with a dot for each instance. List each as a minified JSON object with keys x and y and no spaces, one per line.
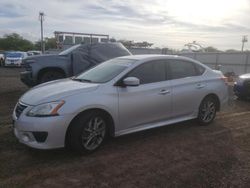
{"x":93,"y":133}
{"x":208,"y":111}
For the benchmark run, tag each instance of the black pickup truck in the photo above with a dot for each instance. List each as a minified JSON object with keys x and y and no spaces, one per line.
{"x":78,"y":58}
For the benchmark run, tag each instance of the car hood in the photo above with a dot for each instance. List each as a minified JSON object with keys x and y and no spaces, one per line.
{"x":45,"y":58}
{"x":55,"y":90}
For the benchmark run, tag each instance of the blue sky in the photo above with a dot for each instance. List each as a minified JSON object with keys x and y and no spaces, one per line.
{"x":166,"y":23}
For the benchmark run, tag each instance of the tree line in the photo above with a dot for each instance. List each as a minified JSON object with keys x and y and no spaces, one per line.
{"x":15,"y":42}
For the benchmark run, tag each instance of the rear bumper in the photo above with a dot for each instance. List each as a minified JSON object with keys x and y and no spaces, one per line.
{"x":26,"y":78}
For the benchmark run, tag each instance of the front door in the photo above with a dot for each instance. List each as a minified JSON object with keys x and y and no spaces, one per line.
{"x":150,"y":101}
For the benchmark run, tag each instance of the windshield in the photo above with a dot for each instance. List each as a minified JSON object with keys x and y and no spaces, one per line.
{"x":69,"y":50}
{"x":14,"y":54}
{"x":105,"y":71}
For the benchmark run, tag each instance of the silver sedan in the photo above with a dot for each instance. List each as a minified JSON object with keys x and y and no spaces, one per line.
{"x":120,"y":96}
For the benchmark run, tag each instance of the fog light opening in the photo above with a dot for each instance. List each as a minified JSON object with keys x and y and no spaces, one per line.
{"x":25,"y":137}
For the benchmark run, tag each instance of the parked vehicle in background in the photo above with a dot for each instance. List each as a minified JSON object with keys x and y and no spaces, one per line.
{"x":44,"y":68}
{"x":14,"y":58}
{"x":2,"y":58}
{"x":242,"y":86}
{"x":120,"y":96}
{"x":34,"y":52}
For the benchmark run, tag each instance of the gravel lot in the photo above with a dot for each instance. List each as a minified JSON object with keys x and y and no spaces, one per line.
{"x":180,"y":155}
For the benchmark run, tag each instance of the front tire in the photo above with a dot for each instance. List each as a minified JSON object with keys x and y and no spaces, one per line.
{"x":87,"y":133}
{"x":207,"y":110}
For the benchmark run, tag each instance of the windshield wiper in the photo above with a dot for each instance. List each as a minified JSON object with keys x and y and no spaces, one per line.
{"x":76,"y":79}
{"x":86,"y":80}
{"x":81,"y":80}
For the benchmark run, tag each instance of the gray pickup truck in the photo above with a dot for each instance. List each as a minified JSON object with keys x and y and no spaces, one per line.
{"x":78,"y":58}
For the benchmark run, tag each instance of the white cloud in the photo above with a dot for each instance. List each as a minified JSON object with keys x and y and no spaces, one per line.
{"x":171,"y":23}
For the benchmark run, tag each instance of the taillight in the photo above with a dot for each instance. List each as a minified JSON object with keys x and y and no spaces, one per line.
{"x":225,"y":79}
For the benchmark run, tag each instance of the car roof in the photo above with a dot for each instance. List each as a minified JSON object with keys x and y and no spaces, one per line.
{"x":154,"y":57}
{"x":245,"y":76}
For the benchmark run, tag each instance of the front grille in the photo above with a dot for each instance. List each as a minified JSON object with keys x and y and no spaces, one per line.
{"x":40,"y":136}
{"x":26,"y":66}
{"x":19,"y":109}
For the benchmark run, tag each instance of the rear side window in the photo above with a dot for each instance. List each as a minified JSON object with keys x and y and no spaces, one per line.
{"x":200,"y":70}
{"x":150,"y":72}
{"x":182,"y":69}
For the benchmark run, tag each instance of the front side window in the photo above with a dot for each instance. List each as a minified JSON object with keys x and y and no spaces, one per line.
{"x":182,"y":69}
{"x":150,"y":72}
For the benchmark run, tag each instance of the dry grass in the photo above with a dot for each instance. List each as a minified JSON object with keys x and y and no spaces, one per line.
{"x":181,"y":155}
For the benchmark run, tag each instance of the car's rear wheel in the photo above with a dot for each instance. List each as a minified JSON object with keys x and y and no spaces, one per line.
{"x":87,"y":133}
{"x":207,"y":110}
{"x":50,"y":75}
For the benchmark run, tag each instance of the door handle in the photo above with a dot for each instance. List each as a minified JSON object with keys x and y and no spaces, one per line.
{"x":164,"y":92}
{"x":199,"y":86}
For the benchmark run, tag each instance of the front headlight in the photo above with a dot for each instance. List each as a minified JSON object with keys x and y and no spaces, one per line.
{"x":47,"y":109}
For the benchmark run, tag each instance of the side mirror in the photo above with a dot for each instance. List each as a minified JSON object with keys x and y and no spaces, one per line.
{"x":131,"y":81}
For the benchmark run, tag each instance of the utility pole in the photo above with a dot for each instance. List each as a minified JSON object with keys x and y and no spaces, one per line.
{"x":41,"y":18}
{"x":244,"y":40}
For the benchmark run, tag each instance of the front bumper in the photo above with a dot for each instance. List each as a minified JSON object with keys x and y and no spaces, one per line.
{"x":54,"y":128}
{"x":26,"y":78}
{"x":7,"y":64}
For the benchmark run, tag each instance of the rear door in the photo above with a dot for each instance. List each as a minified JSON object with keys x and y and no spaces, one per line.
{"x":188,"y":87}
{"x":150,"y":101}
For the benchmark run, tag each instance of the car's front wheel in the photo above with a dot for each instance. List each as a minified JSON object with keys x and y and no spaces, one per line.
{"x":207,"y":110}
{"x":87,"y":132}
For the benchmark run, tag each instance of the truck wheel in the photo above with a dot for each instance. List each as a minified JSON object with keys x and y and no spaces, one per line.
{"x":1,"y":62}
{"x":50,"y":75}
{"x":241,"y":97}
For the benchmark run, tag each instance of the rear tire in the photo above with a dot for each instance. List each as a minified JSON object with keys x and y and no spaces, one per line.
{"x":87,"y":133}
{"x":207,"y":110}
{"x":50,"y":75}
{"x":1,"y":63}
{"x":241,"y":97}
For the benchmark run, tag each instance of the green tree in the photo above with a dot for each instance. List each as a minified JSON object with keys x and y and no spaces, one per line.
{"x":143,"y":44}
{"x":15,"y":42}
{"x":211,"y":49}
{"x":132,"y":44}
{"x":127,"y":43}
{"x":232,"y":50}
{"x":50,"y":43}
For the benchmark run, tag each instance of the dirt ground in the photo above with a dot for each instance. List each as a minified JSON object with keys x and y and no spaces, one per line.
{"x":180,"y":155}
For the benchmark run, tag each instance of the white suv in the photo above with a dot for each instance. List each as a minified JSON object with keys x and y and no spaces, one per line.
{"x":117,"y":97}
{"x":15,"y":58}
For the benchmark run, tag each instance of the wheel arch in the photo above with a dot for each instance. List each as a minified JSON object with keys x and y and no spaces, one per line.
{"x":43,"y":70}
{"x":213,"y":95}
{"x":111,"y":127}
